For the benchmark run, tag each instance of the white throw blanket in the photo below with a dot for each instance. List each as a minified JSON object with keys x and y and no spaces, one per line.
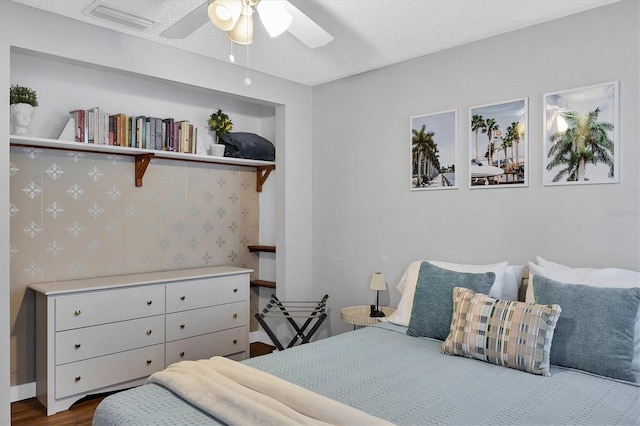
{"x":236,"y":393}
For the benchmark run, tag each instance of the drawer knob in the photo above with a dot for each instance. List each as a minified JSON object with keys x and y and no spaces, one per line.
{"x":148,"y":332}
{"x":182,"y":297}
{"x":181,"y":354}
{"x":77,"y":379}
{"x":78,"y":312}
{"x":181,"y":326}
{"x":148,"y":362}
{"x":149,"y":302}
{"x":77,"y":346}
{"x":235,"y":315}
{"x":235,"y":290}
{"x":235,"y":341}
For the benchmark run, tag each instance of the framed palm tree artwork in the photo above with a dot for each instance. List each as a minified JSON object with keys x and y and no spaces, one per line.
{"x":581,"y":136}
{"x":498,"y":139}
{"x":433,"y":151}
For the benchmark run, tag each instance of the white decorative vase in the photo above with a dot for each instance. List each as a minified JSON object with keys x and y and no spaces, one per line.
{"x":217,"y":150}
{"x":21,"y":115}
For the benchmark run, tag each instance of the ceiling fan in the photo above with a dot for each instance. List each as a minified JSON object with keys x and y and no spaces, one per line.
{"x":235,"y":17}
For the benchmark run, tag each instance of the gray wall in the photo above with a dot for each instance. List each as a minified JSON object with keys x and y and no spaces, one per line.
{"x":365,"y":219}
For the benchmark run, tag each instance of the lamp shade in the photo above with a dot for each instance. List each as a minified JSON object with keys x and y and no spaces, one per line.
{"x":224,"y":13}
{"x":377,"y":282}
{"x":242,"y":33}
{"x":274,"y":16}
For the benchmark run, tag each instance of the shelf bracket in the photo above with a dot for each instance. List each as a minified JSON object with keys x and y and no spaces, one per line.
{"x":262,"y":173}
{"x":142,"y":161}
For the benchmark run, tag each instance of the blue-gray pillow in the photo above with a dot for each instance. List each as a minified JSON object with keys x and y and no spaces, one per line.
{"x":433,"y":303}
{"x":595,"y":332}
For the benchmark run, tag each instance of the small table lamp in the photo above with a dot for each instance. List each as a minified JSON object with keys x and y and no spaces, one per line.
{"x":377,"y":284}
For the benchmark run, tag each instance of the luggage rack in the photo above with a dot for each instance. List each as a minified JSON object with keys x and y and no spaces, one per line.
{"x":311,"y":311}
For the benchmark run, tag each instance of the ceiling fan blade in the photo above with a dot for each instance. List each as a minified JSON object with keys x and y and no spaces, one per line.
{"x":306,"y":30}
{"x":189,"y":23}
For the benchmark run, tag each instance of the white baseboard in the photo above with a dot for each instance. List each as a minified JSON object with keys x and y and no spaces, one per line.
{"x":25,"y":391}
{"x":259,"y":336}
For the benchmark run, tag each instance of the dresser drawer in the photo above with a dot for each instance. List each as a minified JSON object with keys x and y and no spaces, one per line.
{"x":206,"y":292}
{"x":95,"y":373}
{"x":90,"y":342}
{"x":102,"y":307}
{"x":181,"y":325}
{"x":222,"y":343}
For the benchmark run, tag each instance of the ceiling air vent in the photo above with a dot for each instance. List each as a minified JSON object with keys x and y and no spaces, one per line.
{"x":123,"y":18}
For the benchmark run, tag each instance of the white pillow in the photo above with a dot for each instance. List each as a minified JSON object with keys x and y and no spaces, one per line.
{"x":407,"y":285}
{"x":604,"y":277}
{"x":512,"y":281}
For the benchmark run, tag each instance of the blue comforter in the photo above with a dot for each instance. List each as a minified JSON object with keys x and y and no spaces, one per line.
{"x":407,"y":381}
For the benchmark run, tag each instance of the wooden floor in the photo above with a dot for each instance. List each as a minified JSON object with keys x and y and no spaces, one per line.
{"x":31,"y":412}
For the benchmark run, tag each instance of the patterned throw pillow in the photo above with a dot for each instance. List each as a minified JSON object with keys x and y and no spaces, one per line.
{"x":512,"y":334}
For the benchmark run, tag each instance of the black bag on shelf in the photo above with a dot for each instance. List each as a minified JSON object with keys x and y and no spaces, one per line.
{"x":249,"y":146}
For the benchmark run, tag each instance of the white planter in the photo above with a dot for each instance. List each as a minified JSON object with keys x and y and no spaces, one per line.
{"x":217,"y":150}
{"x":21,"y":115}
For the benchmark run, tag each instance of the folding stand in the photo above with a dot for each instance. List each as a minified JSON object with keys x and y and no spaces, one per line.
{"x":290,"y":310}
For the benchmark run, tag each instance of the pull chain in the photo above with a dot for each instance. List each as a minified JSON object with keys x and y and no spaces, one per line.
{"x":247,"y":80}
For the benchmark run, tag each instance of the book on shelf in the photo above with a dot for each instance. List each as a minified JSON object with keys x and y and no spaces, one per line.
{"x":168,"y":133}
{"x":131,"y":130}
{"x":140,"y":131}
{"x":183,"y":136}
{"x":104,"y":125}
{"x":176,"y":136}
{"x":78,"y":115}
{"x":89,"y":120}
{"x":152,"y":132}
{"x":190,"y":139}
{"x":117,"y":128}
{"x":157,"y":142}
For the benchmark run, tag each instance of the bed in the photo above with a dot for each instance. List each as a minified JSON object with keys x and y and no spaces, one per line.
{"x":387,"y":372}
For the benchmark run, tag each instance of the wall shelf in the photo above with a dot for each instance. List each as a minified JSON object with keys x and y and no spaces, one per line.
{"x":262,"y":283}
{"x":263,"y":248}
{"x":143,"y":156}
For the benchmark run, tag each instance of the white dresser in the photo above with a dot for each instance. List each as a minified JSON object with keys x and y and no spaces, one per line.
{"x":102,"y":334}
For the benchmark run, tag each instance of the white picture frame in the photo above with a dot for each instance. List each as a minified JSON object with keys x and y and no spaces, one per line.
{"x":498,"y":145}
{"x":571,"y":114}
{"x":433,"y":144}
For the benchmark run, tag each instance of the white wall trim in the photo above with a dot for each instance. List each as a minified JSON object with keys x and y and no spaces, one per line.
{"x":259,"y":336}
{"x":24,"y":391}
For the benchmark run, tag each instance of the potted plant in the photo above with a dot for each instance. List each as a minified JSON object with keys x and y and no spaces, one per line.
{"x":220,"y":124}
{"x":23,"y":101}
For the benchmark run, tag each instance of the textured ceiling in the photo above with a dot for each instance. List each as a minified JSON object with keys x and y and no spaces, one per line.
{"x":368,"y":34}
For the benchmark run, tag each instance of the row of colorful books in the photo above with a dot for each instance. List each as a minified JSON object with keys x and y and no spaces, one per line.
{"x":166,"y":134}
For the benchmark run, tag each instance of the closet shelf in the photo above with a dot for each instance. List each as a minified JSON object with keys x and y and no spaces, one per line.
{"x":262,"y":283}
{"x":143,"y":156}
{"x":262,"y":248}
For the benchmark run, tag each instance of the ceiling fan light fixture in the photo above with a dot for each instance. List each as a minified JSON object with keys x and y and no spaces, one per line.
{"x":242,"y":32}
{"x":225,"y":13}
{"x":274,"y":16}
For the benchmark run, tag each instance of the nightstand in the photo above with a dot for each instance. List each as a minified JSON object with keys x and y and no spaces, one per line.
{"x":360,"y":315}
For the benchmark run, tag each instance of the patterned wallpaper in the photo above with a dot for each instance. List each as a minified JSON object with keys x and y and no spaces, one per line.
{"x":76,"y":215}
